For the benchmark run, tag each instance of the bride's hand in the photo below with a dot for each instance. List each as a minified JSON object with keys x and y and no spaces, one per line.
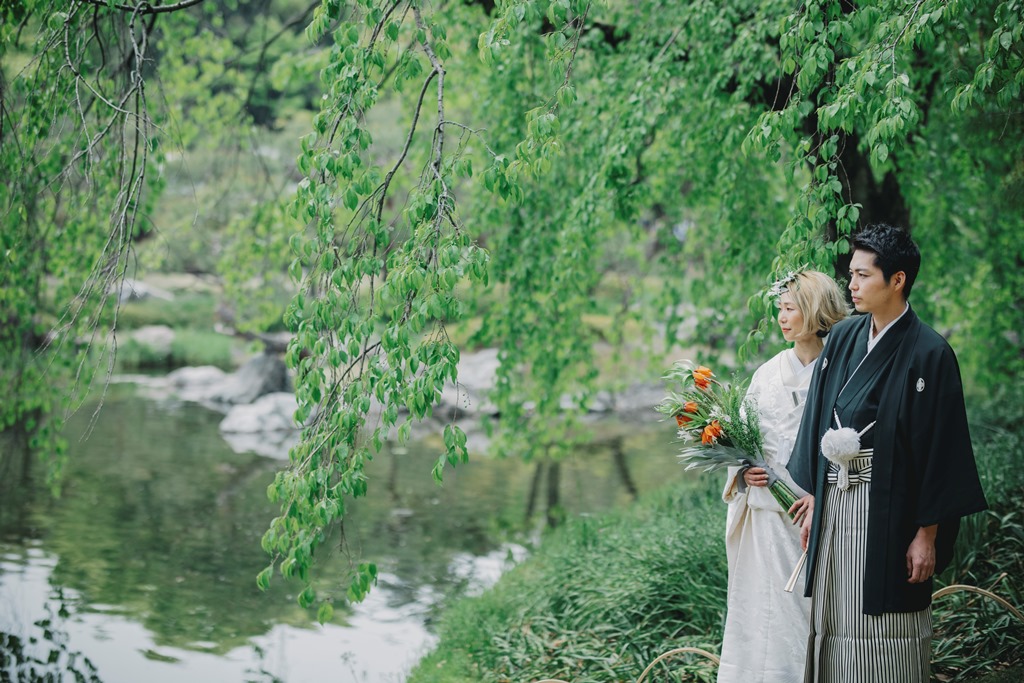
{"x":756,"y":476}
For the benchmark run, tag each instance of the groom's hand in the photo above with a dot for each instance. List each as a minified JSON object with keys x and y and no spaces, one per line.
{"x":803,"y":506}
{"x":921,"y":555}
{"x":803,"y":512}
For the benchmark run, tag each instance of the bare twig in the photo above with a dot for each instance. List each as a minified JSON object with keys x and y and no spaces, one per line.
{"x":383,"y":188}
{"x":439,"y":70}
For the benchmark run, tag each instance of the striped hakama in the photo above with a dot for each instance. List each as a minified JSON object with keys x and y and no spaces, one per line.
{"x":846,"y":645}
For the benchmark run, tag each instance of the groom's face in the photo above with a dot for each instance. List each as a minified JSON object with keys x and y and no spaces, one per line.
{"x":868,"y":288}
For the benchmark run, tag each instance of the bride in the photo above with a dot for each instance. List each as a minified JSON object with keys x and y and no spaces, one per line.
{"x":766,"y":628}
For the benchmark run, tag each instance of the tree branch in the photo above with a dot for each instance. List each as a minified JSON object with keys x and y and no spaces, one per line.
{"x":146,"y":8}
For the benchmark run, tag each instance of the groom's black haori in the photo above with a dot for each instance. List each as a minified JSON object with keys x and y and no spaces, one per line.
{"x":923,"y":465}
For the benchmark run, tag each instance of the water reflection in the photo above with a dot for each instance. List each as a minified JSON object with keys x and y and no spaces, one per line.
{"x":145,"y":568}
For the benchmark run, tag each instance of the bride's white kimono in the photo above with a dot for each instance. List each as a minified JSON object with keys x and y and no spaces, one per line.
{"x":766,"y":628}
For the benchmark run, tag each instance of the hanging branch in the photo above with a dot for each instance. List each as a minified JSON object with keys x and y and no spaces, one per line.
{"x":369,"y":324}
{"x":130,"y":117}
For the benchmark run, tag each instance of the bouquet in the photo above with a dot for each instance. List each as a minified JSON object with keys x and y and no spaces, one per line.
{"x":717,"y":425}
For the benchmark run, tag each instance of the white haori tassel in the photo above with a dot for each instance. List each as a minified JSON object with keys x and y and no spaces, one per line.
{"x":841,"y":445}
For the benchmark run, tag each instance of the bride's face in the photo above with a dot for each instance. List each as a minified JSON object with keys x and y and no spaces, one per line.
{"x":791,"y":321}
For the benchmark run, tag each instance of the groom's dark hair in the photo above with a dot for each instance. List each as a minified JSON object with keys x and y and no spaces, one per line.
{"x":894,"y":251}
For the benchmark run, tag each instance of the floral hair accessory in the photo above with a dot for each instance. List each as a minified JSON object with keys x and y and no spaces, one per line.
{"x":780,"y":286}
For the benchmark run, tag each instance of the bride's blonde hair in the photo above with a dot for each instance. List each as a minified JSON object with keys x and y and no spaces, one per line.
{"x":819,"y":299}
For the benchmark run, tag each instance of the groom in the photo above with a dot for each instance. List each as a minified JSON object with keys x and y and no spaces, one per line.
{"x":876,"y":538}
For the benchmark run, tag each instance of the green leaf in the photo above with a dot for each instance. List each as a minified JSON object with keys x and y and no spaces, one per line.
{"x":566,"y":95}
{"x":881,"y":152}
{"x":263,"y":578}
{"x":351,"y":199}
{"x":325,"y":613}
{"x":307,"y":597}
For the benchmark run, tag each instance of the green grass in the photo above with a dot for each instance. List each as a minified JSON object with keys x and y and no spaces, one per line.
{"x":190,"y":347}
{"x":974,"y":635}
{"x":602,"y":598}
{"x":191,"y":315}
{"x":185,"y":310}
{"x":195,"y":347}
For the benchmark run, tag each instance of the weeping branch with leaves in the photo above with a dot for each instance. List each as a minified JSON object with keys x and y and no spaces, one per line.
{"x":356,"y":277}
{"x":730,"y":105}
{"x":378,"y":289}
{"x":76,"y":134}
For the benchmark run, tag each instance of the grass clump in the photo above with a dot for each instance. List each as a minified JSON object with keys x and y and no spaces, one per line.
{"x":198,"y":347}
{"x":601,"y":599}
{"x":191,"y":316}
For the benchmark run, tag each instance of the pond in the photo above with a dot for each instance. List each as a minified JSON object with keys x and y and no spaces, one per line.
{"x":144,"y":569}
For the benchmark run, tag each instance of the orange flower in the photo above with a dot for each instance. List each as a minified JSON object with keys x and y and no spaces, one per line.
{"x":690,"y":409}
{"x":711,"y":433}
{"x":702,"y":377}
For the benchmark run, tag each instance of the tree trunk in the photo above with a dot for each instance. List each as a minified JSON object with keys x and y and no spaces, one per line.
{"x":622,"y":468}
{"x":554,"y":508}
{"x":881,"y":201}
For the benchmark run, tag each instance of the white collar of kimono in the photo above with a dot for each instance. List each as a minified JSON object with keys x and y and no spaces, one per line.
{"x":800,"y":371}
{"x":872,"y":342}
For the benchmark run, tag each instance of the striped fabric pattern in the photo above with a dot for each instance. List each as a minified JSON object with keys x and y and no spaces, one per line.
{"x":846,"y":645}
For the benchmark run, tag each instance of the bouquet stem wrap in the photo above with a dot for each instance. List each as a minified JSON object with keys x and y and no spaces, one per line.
{"x":779,"y":489}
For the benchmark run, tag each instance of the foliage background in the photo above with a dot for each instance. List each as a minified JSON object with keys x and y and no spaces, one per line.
{"x":584,"y":185}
